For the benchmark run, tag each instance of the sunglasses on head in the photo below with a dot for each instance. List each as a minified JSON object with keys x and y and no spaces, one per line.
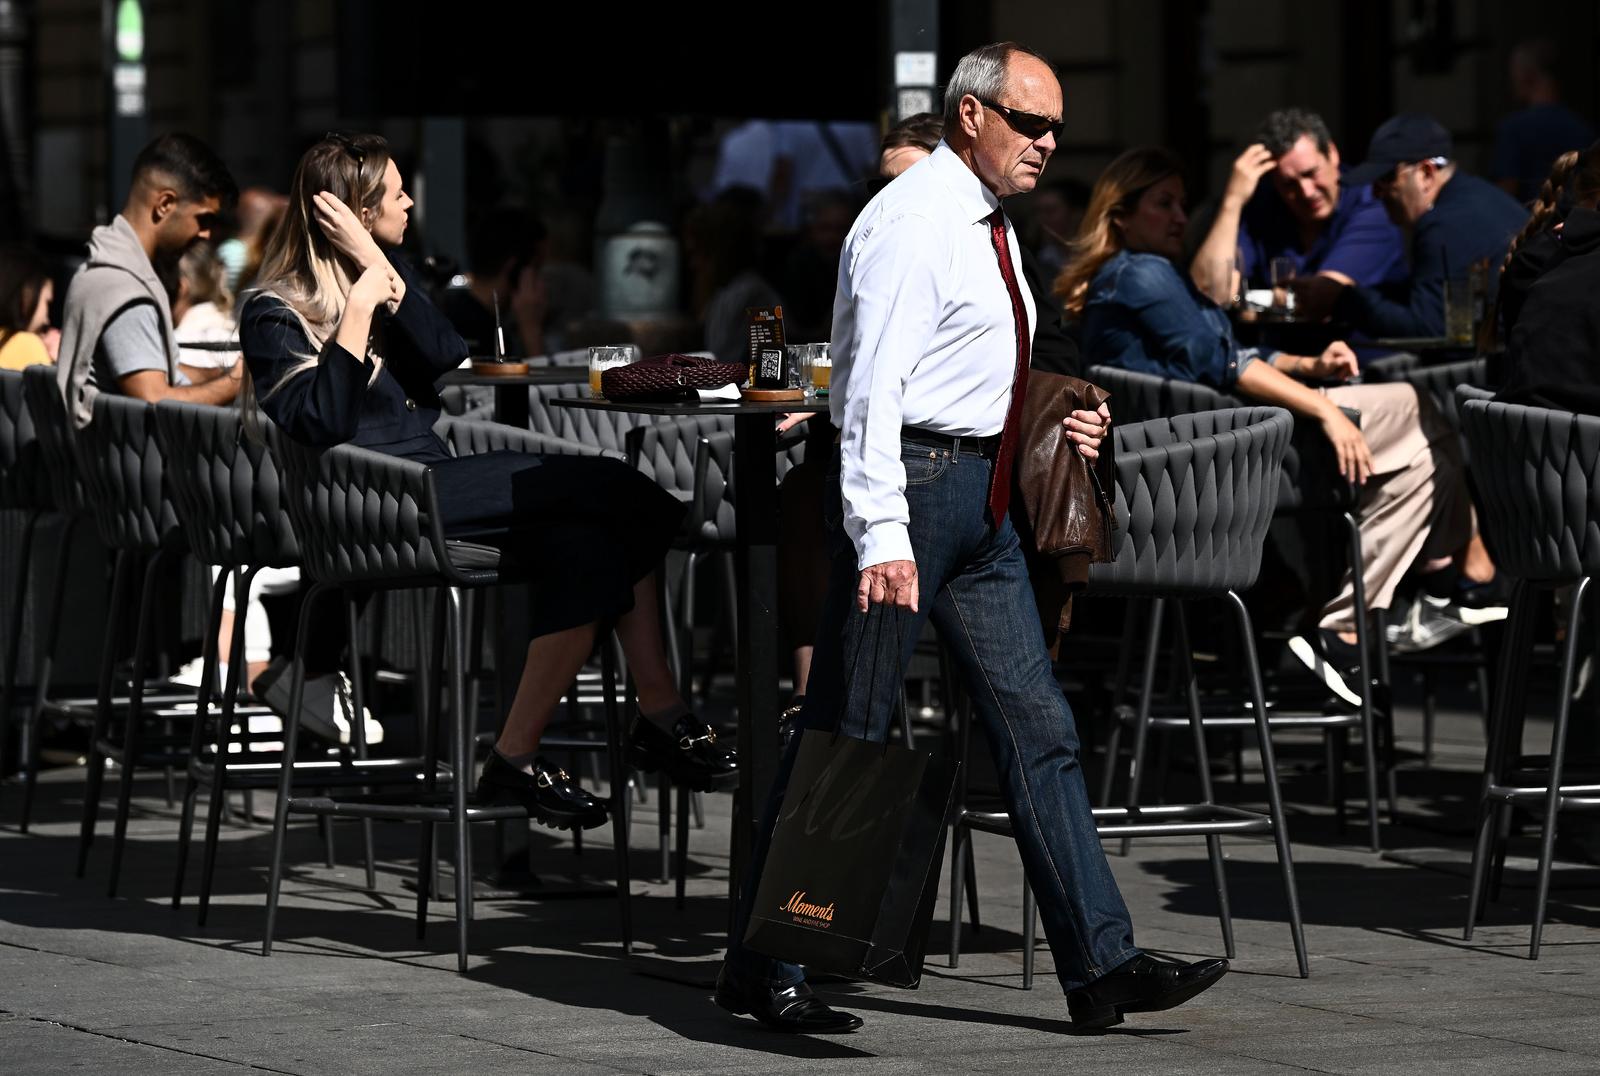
{"x":348,"y":144}
{"x":1029,"y":124}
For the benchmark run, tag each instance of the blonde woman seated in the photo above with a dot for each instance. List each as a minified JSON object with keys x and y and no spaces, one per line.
{"x":343,"y":344}
{"x":1139,"y":310}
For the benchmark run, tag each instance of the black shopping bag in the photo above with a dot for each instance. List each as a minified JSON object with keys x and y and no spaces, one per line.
{"x":851,"y":877}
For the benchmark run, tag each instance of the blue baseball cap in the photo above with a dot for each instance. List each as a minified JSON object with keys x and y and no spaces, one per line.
{"x":1402,"y":139}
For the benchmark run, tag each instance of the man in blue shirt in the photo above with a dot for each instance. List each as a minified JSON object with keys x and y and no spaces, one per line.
{"x":1334,"y":237}
{"x":1454,"y":220}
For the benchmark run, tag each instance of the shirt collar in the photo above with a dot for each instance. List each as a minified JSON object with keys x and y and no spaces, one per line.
{"x":973,"y":200}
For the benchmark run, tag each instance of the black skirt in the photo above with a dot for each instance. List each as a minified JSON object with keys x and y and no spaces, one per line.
{"x":582,"y":529}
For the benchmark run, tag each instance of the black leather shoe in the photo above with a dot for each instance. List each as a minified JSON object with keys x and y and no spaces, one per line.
{"x":1143,"y":984}
{"x":794,"y":1009}
{"x":690,"y":754}
{"x":548,"y":794}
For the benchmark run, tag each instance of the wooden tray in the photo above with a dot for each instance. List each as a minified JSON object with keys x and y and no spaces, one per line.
{"x":773,"y":395}
{"x":500,"y":369}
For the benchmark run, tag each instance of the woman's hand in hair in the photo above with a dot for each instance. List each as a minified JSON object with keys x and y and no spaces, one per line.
{"x":376,"y":287}
{"x":346,"y":232}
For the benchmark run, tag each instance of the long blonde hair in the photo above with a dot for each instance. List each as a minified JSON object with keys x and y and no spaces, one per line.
{"x":1116,"y":194}
{"x":300,"y":266}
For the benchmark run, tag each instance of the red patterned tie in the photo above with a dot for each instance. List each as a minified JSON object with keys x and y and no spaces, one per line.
{"x":1000,"y":477}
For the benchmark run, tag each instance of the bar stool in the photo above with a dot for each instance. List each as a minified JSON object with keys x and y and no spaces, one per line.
{"x":47,"y":414}
{"x":1194,"y":499}
{"x":24,"y":487}
{"x":1538,"y":473}
{"x":226,"y":493}
{"x":368,"y":521}
{"x":1309,"y":484}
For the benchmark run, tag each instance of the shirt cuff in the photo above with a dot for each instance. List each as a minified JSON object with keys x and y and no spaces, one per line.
{"x":883,"y":543}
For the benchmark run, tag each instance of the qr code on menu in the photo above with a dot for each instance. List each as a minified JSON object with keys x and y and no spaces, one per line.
{"x":771,"y":366}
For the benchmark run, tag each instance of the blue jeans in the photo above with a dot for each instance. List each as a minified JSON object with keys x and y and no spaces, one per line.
{"x":974,"y":585}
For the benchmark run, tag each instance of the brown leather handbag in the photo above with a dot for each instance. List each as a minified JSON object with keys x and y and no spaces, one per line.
{"x":1064,"y":510}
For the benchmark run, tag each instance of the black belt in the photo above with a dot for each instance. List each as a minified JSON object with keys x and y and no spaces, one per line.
{"x":987,"y":447}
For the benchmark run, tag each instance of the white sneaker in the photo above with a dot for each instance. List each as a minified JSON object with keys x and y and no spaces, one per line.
{"x":341,"y":714}
{"x":1434,"y":621}
{"x":188,"y":674}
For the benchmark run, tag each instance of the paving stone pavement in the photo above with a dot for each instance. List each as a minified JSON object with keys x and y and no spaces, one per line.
{"x":132,"y":986}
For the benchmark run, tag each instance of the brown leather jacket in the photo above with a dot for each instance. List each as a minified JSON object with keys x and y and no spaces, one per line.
{"x":1064,"y":508}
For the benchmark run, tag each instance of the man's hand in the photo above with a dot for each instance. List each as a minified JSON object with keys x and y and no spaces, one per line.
{"x":893,"y":582}
{"x":1315,"y":295}
{"x":1255,"y":162}
{"x":1088,"y":428}
{"x":346,"y":232}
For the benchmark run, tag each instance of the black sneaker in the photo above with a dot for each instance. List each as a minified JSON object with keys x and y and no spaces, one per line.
{"x":548,"y":795}
{"x":316,"y":705}
{"x":1332,"y":661}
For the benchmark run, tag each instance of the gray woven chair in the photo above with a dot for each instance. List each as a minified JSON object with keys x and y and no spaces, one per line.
{"x":1308,"y":483}
{"x":24,"y":487}
{"x":124,"y":475}
{"x":1193,"y":500}
{"x":1538,"y":475}
{"x":46,"y":416}
{"x":370,"y":521}
{"x":1440,"y":383}
{"x":227,"y":496}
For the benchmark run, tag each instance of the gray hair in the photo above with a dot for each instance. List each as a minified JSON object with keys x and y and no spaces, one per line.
{"x":982,"y":73}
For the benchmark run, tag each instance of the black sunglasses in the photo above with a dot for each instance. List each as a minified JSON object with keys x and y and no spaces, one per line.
{"x":348,"y":144}
{"x":1030,"y":124}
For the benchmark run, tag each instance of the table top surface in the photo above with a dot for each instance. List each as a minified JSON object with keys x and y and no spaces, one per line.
{"x":1422,"y":343}
{"x":695,"y":407}
{"x":539,"y":375}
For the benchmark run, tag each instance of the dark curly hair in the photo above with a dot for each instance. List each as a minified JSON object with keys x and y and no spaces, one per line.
{"x":1283,"y":128}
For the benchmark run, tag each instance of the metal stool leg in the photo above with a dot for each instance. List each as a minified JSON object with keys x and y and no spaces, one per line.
{"x":1030,"y":934}
{"x":125,"y":563}
{"x":462,"y":754}
{"x":1364,"y":650}
{"x":358,"y":722}
{"x":42,"y":671}
{"x":1512,"y":660}
{"x":291,"y":735}
{"x":1141,"y":726}
{"x":619,"y":790}
{"x":1269,"y":764}
{"x":191,"y":782}
{"x":1558,"y":751}
{"x":1203,"y":765}
{"x":427,"y":680}
{"x":682,"y":866}
{"x":19,"y":594}
{"x":217,"y":807}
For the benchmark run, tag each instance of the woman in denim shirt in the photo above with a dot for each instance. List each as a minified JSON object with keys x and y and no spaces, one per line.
{"x":1141,"y":312}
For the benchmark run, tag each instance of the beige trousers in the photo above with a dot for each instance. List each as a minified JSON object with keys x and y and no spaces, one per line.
{"x":1415,"y":504}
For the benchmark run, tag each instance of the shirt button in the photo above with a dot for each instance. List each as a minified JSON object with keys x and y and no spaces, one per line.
{"x":411,"y":405}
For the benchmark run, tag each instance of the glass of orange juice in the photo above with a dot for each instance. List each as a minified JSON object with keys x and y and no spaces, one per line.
{"x":605,"y":358}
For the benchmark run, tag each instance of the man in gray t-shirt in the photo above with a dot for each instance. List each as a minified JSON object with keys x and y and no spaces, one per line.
{"x":117,"y":333}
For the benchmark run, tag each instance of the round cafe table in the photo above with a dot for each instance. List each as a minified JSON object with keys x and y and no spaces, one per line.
{"x":511,"y":390}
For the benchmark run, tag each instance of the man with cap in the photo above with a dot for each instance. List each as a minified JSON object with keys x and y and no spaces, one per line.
{"x":1452,"y":220}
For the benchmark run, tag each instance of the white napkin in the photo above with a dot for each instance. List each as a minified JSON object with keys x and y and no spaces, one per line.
{"x":726,"y":392}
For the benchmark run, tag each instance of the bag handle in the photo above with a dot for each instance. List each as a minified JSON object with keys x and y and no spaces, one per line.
{"x":891,"y":612}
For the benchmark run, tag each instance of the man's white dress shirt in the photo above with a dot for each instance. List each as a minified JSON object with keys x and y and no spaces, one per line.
{"x":923,"y":335}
